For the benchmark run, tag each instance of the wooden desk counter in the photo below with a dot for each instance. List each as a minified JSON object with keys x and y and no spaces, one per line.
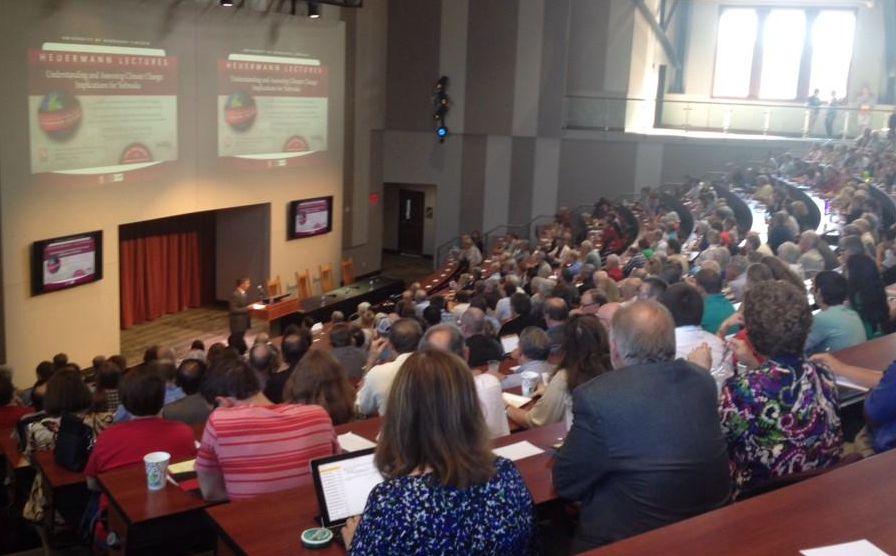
{"x":847,"y":504}
{"x":271,"y":524}
{"x":876,"y":354}
{"x":140,"y":517}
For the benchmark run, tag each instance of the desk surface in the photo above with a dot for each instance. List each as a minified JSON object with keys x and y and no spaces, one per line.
{"x":56,"y":475}
{"x":847,"y":504}
{"x":126,"y":489}
{"x":876,"y":354}
{"x":272,"y":523}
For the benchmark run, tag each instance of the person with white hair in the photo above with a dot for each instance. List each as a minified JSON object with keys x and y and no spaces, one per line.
{"x":789,"y":253}
{"x":811,"y":259}
{"x":633,"y":458}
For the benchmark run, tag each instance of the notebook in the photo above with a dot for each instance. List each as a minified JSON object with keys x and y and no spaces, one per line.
{"x":342,"y":484}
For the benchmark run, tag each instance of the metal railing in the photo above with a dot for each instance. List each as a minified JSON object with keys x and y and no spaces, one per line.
{"x":677,"y":112}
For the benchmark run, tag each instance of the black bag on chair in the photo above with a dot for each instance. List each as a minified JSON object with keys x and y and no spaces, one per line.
{"x":74,"y":441}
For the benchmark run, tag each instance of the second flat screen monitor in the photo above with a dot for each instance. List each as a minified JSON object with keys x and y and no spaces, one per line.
{"x":309,"y":217}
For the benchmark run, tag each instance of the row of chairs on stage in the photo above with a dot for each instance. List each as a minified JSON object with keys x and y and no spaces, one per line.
{"x":304,"y":290}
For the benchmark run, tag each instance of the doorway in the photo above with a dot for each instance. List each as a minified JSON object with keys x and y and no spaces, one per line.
{"x":410,"y":221}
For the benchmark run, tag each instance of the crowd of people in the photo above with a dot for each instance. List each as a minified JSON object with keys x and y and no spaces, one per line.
{"x":691,"y":371}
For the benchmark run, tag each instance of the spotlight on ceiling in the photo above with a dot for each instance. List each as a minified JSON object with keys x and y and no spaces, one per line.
{"x":313,"y":10}
{"x":228,"y":3}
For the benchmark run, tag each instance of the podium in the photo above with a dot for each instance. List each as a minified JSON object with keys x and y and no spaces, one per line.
{"x":274,"y":313}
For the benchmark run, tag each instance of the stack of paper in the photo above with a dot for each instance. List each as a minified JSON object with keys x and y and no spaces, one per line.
{"x":514,"y":400}
{"x":518,"y":450}
{"x":352,"y":442}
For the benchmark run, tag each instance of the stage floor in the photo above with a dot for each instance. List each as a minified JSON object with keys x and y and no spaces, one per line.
{"x":208,"y":324}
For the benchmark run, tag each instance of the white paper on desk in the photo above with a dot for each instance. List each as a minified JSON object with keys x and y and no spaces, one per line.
{"x":514,"y":400}
{"x":352,"y":442}
{"x":188,"y":466}
{"x":843,"y":381}
{"x":518,"y":450}
{"x":857,"y":548}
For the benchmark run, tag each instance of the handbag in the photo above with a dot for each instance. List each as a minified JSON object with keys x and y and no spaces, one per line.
{"x":74,"y":441}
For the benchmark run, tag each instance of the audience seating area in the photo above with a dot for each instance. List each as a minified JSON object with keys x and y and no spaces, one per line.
{"x":729,"y":243}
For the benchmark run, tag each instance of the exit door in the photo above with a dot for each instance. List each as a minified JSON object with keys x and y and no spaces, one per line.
{"x":410,"y":222}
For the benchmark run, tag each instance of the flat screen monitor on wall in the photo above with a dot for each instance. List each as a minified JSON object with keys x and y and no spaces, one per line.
{"x":66,"y":262}
{"x":310,"y":217}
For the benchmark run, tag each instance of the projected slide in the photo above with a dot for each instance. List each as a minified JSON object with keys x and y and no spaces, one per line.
{"x":272,"y":111}
{"x":101,"y":114}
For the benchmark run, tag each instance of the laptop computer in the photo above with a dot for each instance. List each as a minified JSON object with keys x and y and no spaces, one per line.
{"x":342,"y":484}
{"x":509,"y":343}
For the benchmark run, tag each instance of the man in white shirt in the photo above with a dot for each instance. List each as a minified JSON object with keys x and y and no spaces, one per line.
{"x":469,"y":251}
{"x":686,"y":305}
{"x":404,"y":336}
{"x":445,"y":337}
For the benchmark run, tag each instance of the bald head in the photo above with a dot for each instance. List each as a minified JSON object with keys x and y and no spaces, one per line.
{"x":445,"y":337}
{"x":472,"y":322}
{"x":642,"y":333}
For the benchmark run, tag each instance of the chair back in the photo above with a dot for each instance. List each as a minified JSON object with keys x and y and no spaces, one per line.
{"x":348,"y":271}
{"x":274,"y":287}
{"x":303,"y":284}
{"x":326,"y":277}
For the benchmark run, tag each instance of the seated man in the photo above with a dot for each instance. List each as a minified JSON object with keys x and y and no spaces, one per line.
{"x":556,"y":313}
{"x":251,"y":446}
{"x":142,"y":393}
{"x":446,"y":337}
{"x":521,"y":315}
{"x":715,"y":307}
{"x":532,"y":352}
{"x":836,"y":326}
{"x":633,"y":457}
{"x":686,"y":306}
{"x":192,"y":409}
{"x":482,"y":348}
{"x":404,"y":336}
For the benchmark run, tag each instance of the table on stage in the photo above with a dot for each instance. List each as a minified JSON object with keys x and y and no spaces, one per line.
{"x":851,"y":503}
{"x":272,"y":523}
{"x":347,"y":298}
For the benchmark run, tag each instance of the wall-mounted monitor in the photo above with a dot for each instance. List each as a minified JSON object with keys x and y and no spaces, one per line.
{"x":66,"y":262}
{"x":309,"y":217}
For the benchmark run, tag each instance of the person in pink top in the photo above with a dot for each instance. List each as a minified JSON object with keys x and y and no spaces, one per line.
{"x":251,"y":446}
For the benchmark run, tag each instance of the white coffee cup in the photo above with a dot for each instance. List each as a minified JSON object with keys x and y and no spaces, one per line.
{"x":530,"y":379}
{"x":156,"y":464}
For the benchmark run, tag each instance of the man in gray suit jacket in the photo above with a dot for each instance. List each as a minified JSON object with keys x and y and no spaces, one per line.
{"x":240,"y":321}
{"x":646,"y":447}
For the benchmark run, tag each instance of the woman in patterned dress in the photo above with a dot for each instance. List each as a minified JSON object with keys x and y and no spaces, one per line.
{"x":445,"y":491}
{"x":782,"y":416}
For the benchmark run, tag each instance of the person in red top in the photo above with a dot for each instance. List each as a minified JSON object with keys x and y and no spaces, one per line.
{"x":251,"y":446}
{"x":10,"y":411}
{"x":142,"y":393}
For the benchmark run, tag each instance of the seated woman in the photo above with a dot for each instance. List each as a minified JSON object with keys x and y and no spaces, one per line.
{"x":66,"y":393}
{"x":246,"y":429}
{"x":781,"y":417}
{"x":320,"y":380}
{"x":586,"y":354}
{"x":444,"y":492}
{"x":867,"y":295}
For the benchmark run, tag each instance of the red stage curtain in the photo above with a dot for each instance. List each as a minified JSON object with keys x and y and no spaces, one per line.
{"x":166,"y":266}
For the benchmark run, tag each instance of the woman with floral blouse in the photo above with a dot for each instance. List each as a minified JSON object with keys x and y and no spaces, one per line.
{"x":782,"y":416}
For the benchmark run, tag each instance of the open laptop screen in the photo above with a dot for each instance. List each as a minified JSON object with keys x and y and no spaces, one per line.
{"x":342,"y":483}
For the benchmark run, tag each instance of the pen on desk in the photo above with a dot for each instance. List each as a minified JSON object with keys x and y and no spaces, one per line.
{"x":170,"y":480}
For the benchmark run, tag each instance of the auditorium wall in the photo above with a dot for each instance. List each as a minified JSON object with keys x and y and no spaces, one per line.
{"x":84,"y":321}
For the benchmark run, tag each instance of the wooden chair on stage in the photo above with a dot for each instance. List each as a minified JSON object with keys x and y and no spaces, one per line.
{"x":326,"y":277}
{"x":303,"y":284}
{"x":348,"y":271}
{"x":274,"y":287}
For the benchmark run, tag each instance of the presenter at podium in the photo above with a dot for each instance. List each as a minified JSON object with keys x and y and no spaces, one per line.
{"x":240,"y":321}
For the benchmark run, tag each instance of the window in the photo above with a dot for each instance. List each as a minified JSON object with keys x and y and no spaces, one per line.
{"x":782,"y":53}
{"x":734,"y":56}
{"x":782,"y":49}
{"x":832,"y":37}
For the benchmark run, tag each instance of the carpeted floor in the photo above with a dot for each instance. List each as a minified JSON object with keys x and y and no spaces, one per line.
{"x":408,"y":268}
